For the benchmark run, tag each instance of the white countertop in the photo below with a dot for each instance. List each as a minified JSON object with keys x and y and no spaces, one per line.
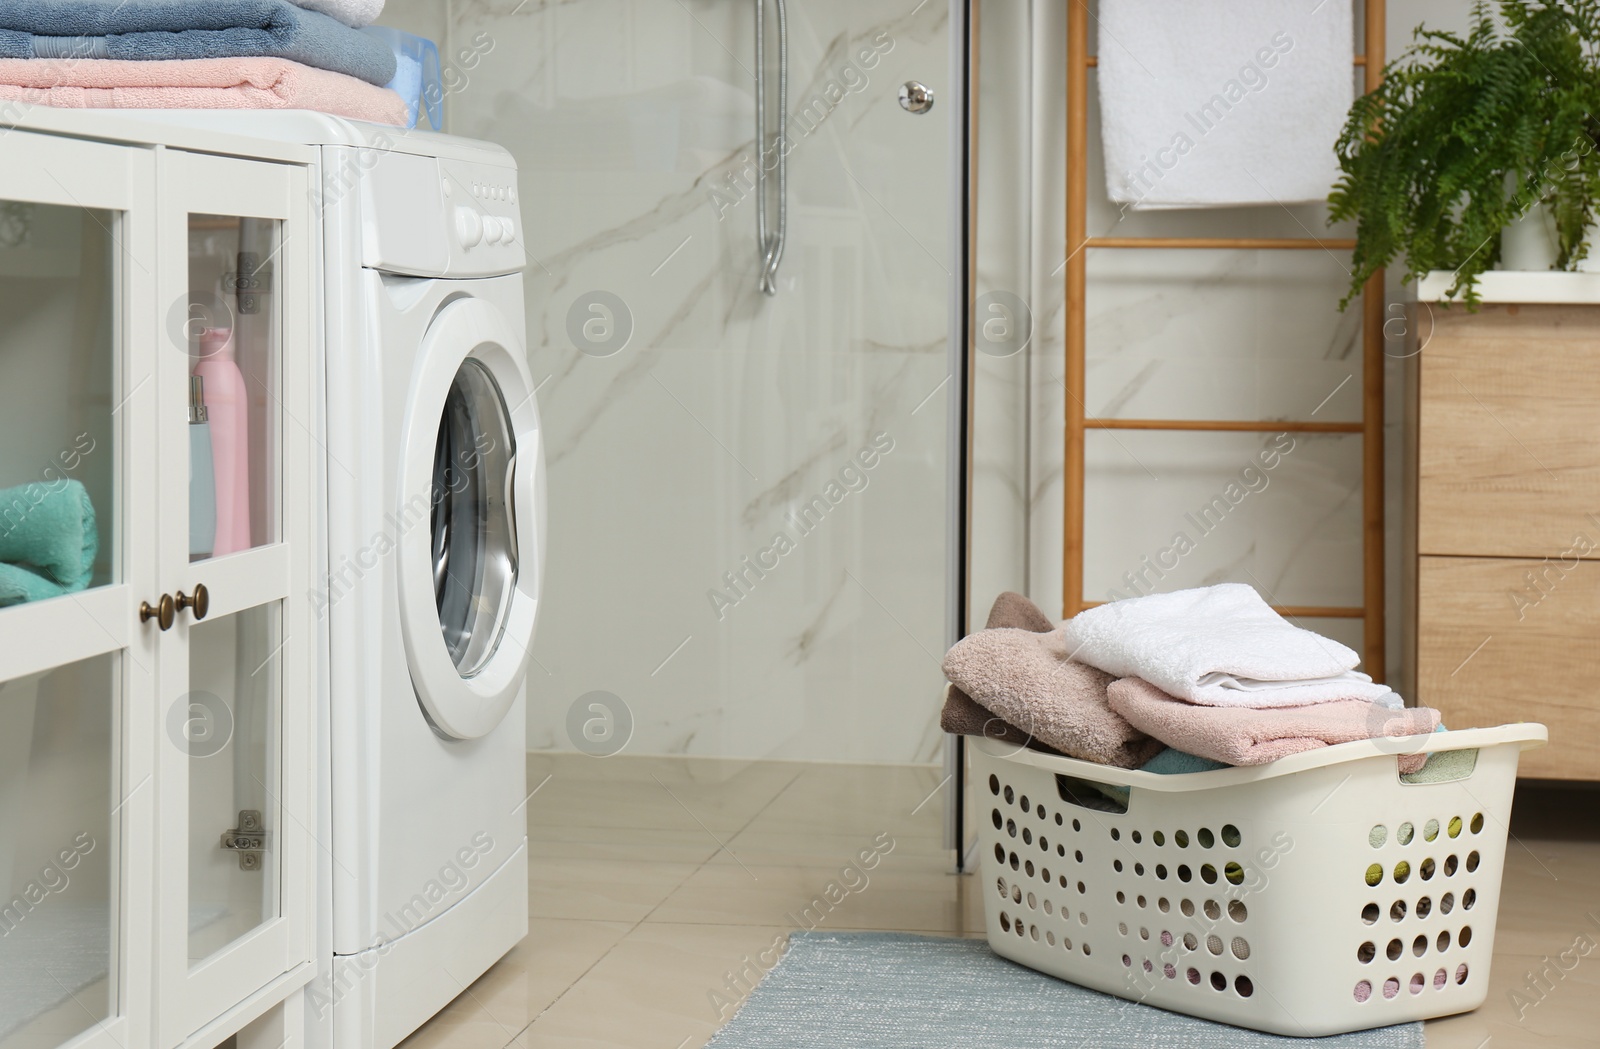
{"x":1549,"y":286}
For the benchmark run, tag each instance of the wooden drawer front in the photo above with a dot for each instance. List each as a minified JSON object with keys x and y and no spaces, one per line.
{"x":1509,"y":431}
{"x":1492,"y":648}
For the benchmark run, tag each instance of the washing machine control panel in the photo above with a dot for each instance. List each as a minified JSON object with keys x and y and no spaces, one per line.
{"x":485,"y":218}
{"x":437,"y":216}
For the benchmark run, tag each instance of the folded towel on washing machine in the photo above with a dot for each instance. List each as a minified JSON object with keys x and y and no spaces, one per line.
{"x":1248,"y":736}
{"x":208,"y":83}
{"x":351,"y":12}
{"x":155,"y":30}
{"x":1219,"y":646}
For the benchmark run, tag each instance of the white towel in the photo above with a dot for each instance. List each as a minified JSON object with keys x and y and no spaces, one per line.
{"x":351,"y":12}
{"x":1226,"y":103}
{"x":1219,"y":646}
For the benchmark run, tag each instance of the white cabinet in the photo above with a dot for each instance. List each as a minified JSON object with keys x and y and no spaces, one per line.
{"x":157,"y":658}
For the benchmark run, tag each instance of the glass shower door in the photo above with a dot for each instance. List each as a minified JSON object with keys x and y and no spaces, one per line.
{"x":748,"y":492}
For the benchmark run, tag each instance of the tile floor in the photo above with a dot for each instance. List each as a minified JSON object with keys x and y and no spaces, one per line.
{"x":660,"y":887}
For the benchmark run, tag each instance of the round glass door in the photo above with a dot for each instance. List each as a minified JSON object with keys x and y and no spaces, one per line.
{"x":472,"y":465}
{"x":474,"y":548}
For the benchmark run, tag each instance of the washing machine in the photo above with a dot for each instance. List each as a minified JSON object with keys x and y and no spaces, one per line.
{"x":435,"y":524}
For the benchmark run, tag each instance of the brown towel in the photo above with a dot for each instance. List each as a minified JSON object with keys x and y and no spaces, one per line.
{"x":1013,"y":610}
{"x":964,"y":717}
{"x":1251,"y":736}
{"x":1026,"y":678}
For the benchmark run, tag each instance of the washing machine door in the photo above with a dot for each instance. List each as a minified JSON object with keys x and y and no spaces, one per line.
{"x":472,"y":511}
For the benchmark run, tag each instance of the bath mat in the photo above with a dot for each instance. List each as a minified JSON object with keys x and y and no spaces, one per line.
{"x":894,"y":991}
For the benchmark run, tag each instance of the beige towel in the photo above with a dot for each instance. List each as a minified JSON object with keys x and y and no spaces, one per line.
{"x":1026,"y":678}
{"x":961,"y":714}
{"x":1249,"y":736}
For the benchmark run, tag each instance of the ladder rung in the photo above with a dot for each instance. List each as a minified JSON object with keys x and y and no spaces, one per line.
{"x":1225,"y":425}
{"x":1221,"y":243}
{"x":1298,"y":611}
{"x":1360,"y":60}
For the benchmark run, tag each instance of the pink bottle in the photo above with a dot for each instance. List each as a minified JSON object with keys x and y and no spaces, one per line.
{"x":228,"y":413}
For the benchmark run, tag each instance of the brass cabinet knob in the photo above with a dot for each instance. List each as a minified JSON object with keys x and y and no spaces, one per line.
{"x":163,"y":612}
{"x":200,"y":602}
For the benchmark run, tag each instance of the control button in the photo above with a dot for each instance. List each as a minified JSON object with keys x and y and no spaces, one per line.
{"x":508,"y":230}
{"x":511,"y":194}
{"x":491,"y":230}
{"x":469,"y":226}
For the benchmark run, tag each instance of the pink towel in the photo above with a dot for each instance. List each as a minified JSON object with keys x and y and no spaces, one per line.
{"x":198,"y":83}
{"x":1249,"y":736}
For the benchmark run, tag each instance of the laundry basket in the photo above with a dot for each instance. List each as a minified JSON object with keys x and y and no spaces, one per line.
{"x":1315,"y":895}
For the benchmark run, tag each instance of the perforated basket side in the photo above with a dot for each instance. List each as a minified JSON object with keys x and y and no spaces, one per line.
{"x":1246,"y":903}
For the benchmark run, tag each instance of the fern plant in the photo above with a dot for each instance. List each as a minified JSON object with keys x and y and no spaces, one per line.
{"x":1466,"y":133}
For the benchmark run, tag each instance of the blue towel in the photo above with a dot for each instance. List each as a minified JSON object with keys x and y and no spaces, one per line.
{"x":48,"y":541}
{"x":151,"y":30}
{"x":1173,"y":762}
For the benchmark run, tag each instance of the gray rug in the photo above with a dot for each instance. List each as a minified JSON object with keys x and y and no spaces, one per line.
{"x":893,"y":991}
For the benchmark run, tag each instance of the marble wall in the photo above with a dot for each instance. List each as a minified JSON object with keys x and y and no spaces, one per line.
{"x":747,"y":493}
{"x":687,"y":450}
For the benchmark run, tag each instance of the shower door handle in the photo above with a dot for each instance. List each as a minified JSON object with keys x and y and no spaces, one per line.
{"x":770,"y":235}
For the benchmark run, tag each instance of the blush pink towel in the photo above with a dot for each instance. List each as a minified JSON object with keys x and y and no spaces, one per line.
{"x":197,"y":83}
{"x":1250,"y":736}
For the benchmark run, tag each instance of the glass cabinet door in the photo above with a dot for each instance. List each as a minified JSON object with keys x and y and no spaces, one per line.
{"x":237,"y":674}
{"x":78,"y":414}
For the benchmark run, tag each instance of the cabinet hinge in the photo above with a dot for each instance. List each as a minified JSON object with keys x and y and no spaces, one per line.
{"x":251,"y":280}
{"x":248,"y":839}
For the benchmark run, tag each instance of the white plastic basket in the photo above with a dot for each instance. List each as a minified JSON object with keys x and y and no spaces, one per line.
{"x":1315,"y":895}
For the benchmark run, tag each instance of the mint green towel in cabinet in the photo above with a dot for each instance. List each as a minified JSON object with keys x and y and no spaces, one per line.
{"x":48,"y":541}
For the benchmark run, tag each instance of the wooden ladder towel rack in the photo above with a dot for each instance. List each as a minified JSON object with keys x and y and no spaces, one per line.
{"x":1371,"y":610}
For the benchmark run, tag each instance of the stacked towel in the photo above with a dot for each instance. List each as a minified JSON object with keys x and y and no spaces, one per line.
{"x":153,"y":30}
{"x":198,"y":54}
{"x":1218,"y":646}
{"x":48,"y":541}
{"x":1245,"y":736}
{"x":1172,"y":684}
{"x":208,"y":83}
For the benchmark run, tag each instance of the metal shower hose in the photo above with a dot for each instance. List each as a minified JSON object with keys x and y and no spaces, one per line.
{"x":770,"y":237}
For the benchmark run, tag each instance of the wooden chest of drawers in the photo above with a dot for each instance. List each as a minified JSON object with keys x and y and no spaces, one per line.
{"x":1506,"y":552}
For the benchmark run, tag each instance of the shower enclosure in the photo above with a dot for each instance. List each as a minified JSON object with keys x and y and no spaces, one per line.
{"x":752,"y":534}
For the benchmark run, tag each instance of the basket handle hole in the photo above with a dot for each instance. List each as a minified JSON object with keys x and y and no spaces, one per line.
{"x":1087,"y":794}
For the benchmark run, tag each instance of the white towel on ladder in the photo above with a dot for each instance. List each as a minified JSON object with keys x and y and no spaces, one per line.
{"x":1230,"y":102}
